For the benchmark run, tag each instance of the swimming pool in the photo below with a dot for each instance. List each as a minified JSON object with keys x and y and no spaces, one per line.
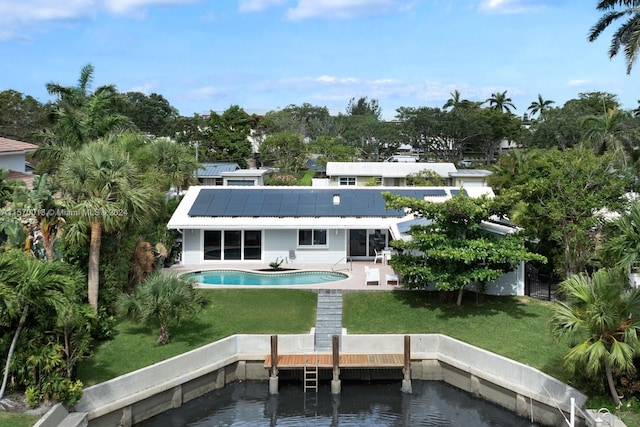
{"x":251,"y":278}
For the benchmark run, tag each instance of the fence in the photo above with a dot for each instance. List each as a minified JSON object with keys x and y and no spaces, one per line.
{"x":538,"y":285}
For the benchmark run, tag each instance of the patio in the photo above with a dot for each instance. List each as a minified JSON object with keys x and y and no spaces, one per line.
{"x":355,"y":270}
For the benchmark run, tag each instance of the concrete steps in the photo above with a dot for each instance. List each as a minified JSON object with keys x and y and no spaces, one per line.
{"x":328,"y":319}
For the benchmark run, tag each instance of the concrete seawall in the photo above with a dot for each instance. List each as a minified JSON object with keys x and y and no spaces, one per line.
{"x":141,"y":394}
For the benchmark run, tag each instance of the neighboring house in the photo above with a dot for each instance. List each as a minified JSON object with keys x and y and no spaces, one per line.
{"x":224,"y":174}
{"x":310,"y":225}
{"x":470,"y":178}
{"x":394,"y":174}
{"x":12,"y":158}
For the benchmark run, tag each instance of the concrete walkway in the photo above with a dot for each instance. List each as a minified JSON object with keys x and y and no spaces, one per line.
{"x":328,"y":319}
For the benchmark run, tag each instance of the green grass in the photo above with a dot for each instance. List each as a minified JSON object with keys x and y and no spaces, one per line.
{"x":510,"y":326}
{"x":17,"y":420}
{"x":232,"y":311}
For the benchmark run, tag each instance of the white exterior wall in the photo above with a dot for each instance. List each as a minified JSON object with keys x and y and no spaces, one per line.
{"x":275,"y":244}
{"x":511,"y":283}
{"x":14,"y":162}
{"x":192,"y":247}
{"x":278,"y":243}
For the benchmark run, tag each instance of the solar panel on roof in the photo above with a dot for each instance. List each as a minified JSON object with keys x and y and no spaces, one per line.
{"x":280,"y":202}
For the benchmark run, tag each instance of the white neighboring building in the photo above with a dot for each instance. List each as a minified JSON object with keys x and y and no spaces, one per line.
{"x":12,"y":159}
{"x":394,"y":174}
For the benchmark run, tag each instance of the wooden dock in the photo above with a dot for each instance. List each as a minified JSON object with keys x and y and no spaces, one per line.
{"x":325,"y":360}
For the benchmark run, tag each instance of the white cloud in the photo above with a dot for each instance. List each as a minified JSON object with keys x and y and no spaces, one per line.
{"x":513,"y":6}
{"x":15,"y":15}
{"x":145,"y":88}
{"x":18,"y":16}
{"x":344,"y":8}
{"x":127,"y":6}
{"x":579,"y":82}
{"x":258,"y":5}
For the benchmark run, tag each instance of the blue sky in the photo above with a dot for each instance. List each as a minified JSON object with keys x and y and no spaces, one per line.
{"x":263,"y":55}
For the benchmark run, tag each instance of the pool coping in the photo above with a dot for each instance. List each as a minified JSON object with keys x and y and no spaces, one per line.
{"x":355,"y":272}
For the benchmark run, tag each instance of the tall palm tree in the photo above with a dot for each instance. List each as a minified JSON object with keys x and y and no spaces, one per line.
{"x":500,"y":101}
{"x":612,"y":131}
{"x":101,"y":185}
{"x":80,"y":116}
{"x":539,"y":106}
{"x":627,"y":36}
{"x":623,"y":245}
{"x":164,"y":298}
{"x":29,"y":285}
{"x":455,"y":102}
{"x":601,"y":321}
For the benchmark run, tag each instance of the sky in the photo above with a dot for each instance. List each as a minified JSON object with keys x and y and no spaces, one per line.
{"x":262,"y":55}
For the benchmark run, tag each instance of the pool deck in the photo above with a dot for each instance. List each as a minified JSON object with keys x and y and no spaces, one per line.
{"x":355,"y":271}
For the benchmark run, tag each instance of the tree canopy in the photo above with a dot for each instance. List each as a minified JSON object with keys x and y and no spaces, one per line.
{"x":452,"y":250}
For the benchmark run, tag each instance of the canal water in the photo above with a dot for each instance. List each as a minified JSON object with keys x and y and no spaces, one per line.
{"x":432,"y":403}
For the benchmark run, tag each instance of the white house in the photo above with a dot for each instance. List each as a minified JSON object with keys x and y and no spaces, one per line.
{"x":227,"y":173}
{"x":12,"y":159}
{"x":327,"y":225}
{"x":394,"y":174}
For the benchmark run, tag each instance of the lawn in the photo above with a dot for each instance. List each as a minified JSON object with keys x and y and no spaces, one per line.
{"x":230,"y":312}
{"x":514,"y":327}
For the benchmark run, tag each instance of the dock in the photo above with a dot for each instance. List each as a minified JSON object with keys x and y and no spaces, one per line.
{"x":312,"y":363}
{"x":325,"y":360}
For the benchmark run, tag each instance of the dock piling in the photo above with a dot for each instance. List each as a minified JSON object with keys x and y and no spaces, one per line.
{"x":406,"y":370}
{"x":335,"y":382}
{"x":273,"y":376}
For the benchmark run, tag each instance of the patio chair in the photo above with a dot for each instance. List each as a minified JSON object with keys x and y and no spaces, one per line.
{"x":379,"y":256}
{"x":372,"y":275}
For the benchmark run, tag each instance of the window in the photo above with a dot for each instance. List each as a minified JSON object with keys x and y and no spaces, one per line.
{"x":212,"y":244}
{"x":232,"y":244}
{"x":252,"y":244}
{"x":347,"y":180}
{"x":312,"y":237}
{"x":232,"y":241}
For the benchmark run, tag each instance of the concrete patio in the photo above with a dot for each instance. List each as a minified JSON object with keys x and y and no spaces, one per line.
{"x":355,"y":271}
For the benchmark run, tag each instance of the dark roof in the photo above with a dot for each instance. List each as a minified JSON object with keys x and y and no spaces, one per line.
{"x":215,"y":170}
{"x":297,"y":202}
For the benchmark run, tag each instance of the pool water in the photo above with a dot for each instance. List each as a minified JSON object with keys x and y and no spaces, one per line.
{"x":432,"y":403}
{"x":239,"y":277}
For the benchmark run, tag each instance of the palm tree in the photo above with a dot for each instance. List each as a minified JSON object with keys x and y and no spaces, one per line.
{"x":455,"y":102}
{"x":500,"y":101}
{"x":163,"y":298}
{"x":539,"y":106}
{"x":101,"y":185}
{"x":627,"y":36}
{"x":27,"y":286}
{"x":175,"y":162}
{"x":80,"y":116}
{"x":623,"y":247}
{"x":601,"y":321}
{"x":612,"y":131}
{"x":42,"y":220}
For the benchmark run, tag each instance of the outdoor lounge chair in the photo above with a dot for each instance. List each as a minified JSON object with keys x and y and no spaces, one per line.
{"x":379,"y":256}
{"x":372,"y":275}
{"x":392,"y":279}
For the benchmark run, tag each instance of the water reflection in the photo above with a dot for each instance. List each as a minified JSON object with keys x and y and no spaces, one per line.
{"x":433,"y":403}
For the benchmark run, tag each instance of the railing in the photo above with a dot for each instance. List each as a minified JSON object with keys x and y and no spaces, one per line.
{"x":350,"y":262}
{"x":571,"y":422}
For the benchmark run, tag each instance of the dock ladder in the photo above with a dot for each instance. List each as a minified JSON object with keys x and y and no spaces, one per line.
{"x":311,"y":373}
